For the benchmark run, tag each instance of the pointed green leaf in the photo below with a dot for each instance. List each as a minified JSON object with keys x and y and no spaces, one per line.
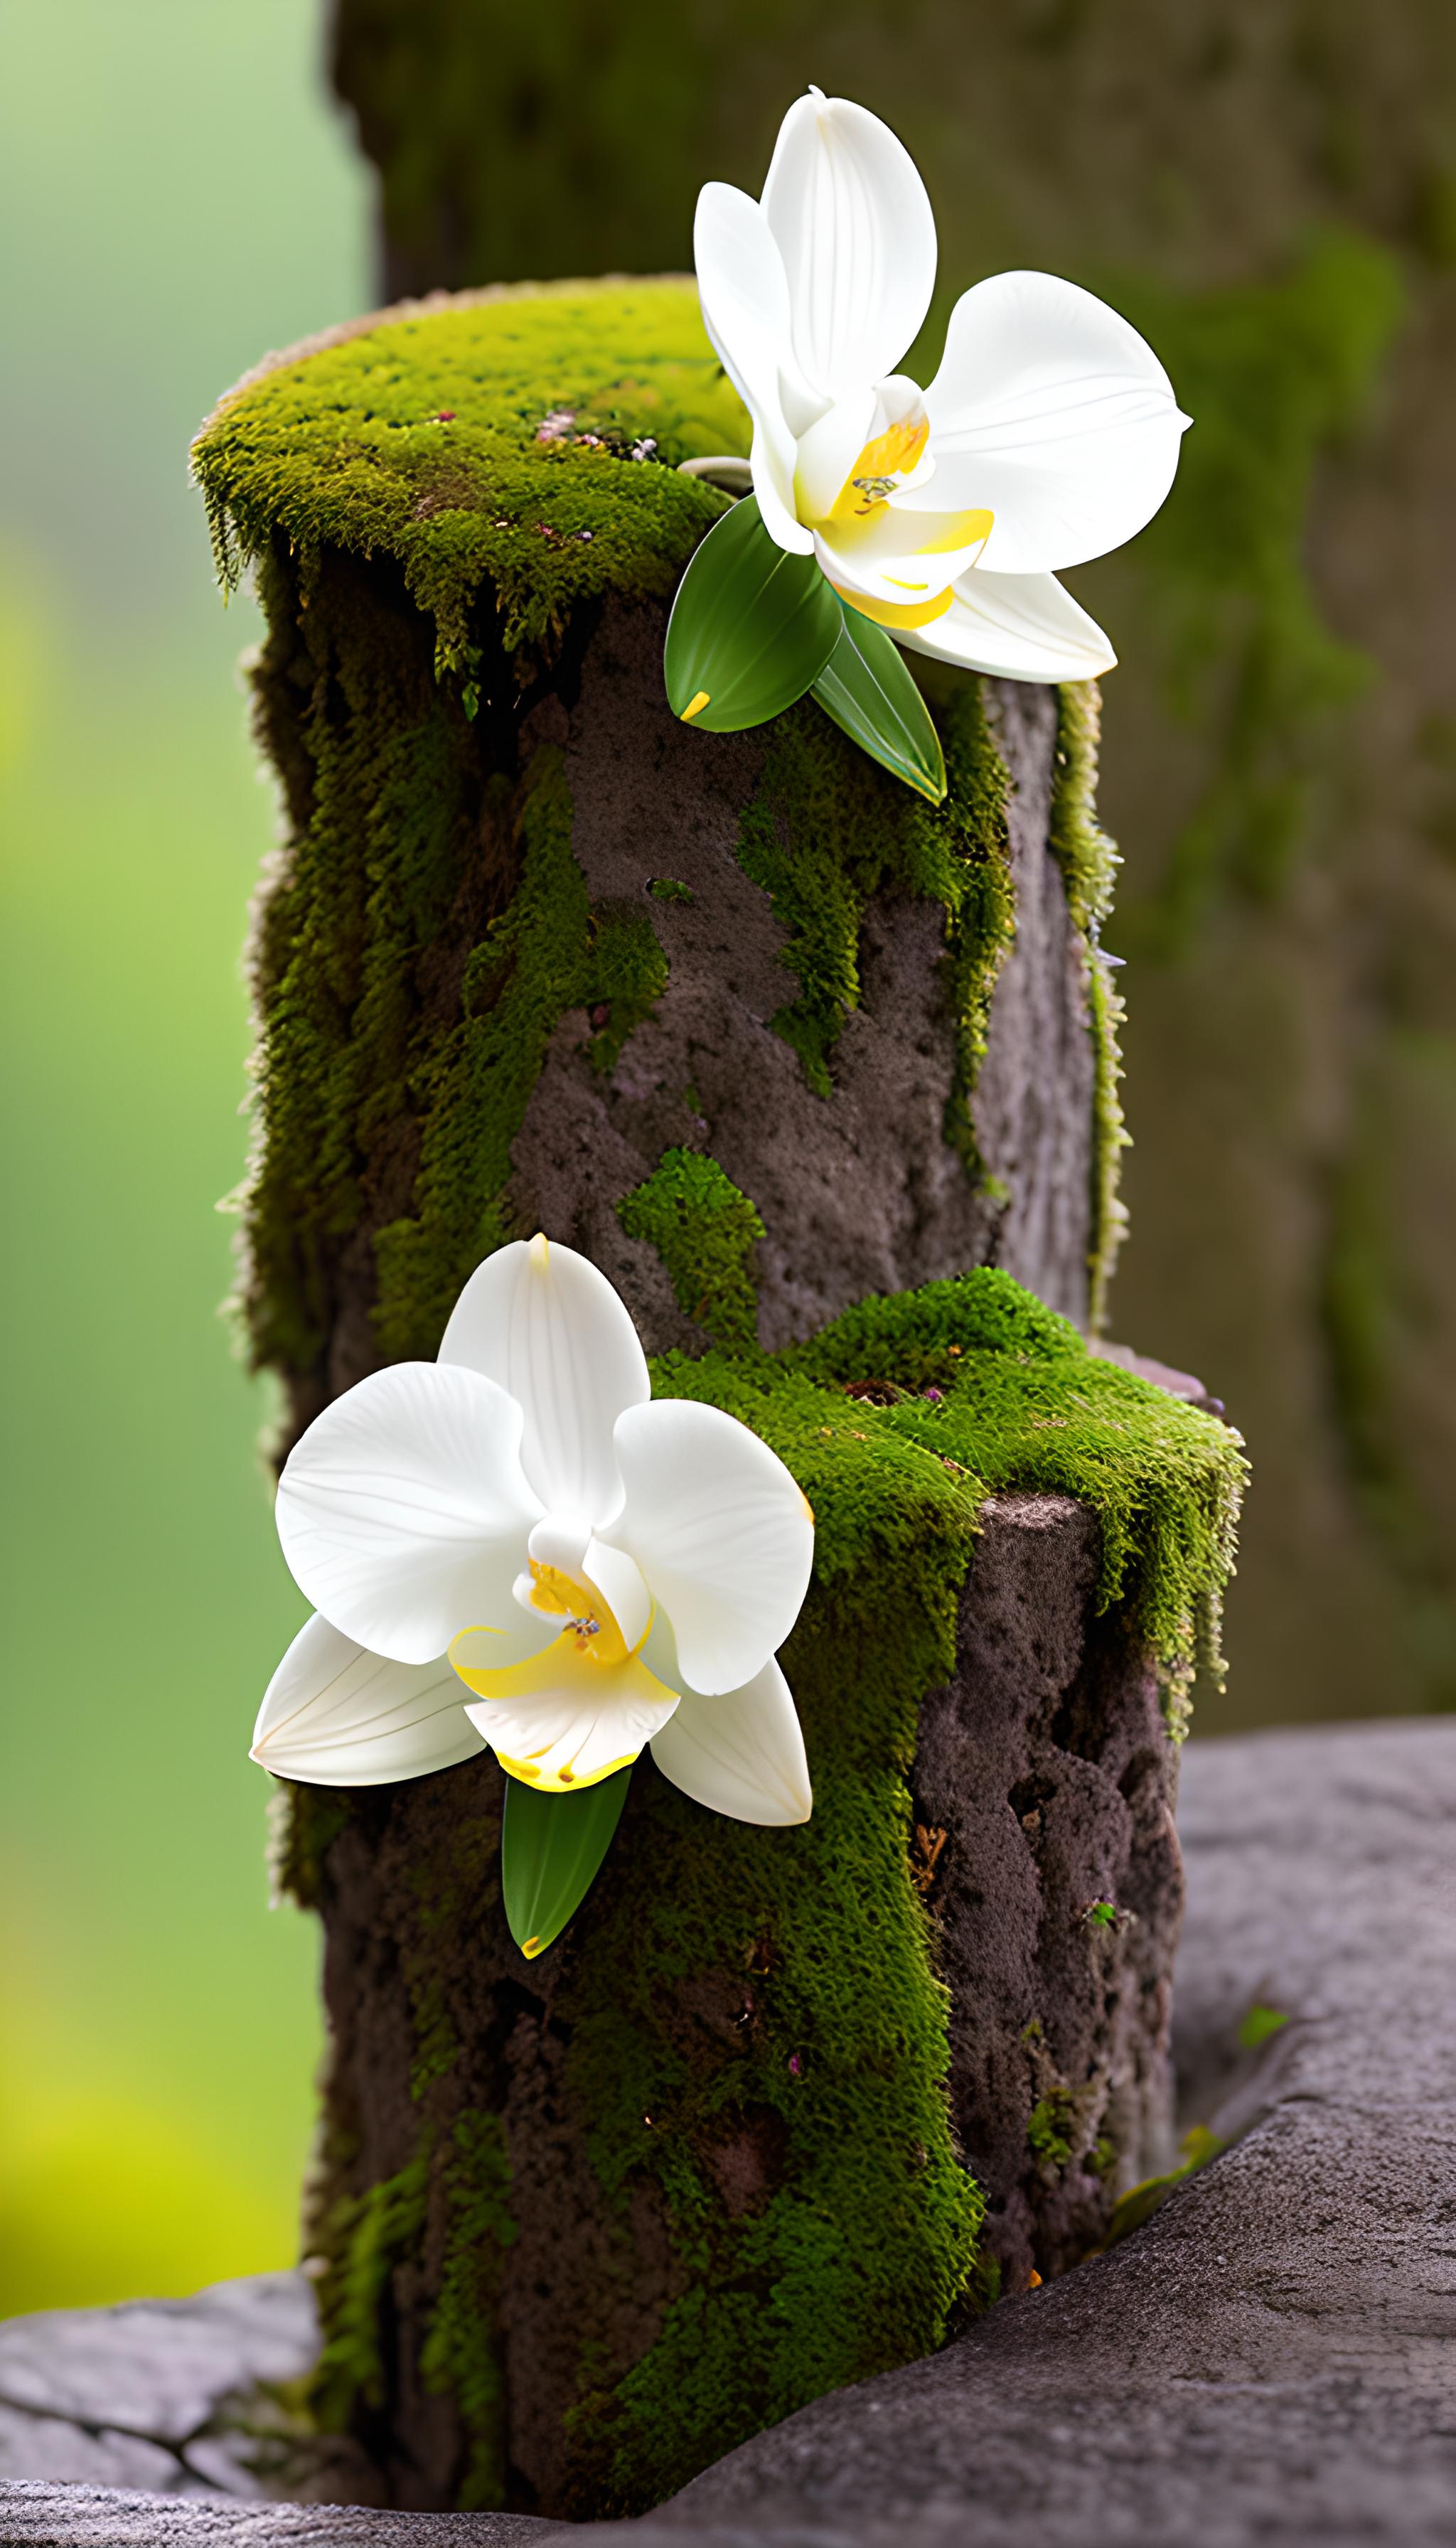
{"x":867,"y":687}
{"x":551,"y":1848}
{"x":751,"y":627}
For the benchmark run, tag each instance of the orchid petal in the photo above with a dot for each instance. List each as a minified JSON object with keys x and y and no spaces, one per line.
{"x":618,"y":1578}
{"x":545,"y":1324}
{"x":744,"y":293}
{"x":562,"y":1719}
{"x":723,"y":1535}
{"x":901,"y":557}
{"x":1052,"y":411}
{"x":740,"y":1754}
{"x":334,"y":1715}
{"x":848,"y":208}
{"x":403,"y":1512}
{"x":1022,"y":627}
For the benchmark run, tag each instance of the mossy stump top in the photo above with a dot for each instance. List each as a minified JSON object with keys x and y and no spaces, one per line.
{"x":524,"y":438}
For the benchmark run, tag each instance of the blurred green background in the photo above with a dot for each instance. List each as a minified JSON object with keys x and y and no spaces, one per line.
{"x":175,"y":195}
{"x":1268,"y":187}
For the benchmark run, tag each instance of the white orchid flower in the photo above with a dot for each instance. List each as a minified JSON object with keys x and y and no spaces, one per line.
{"x":1048,"y":435}
{"x":523,"y":1519}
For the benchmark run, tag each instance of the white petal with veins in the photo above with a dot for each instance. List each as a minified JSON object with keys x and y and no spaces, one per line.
{"x":1049,"y":410}
{"x":403,"y":1512}
{"x":740,"y":1754}
{"x":1021,"y":627}
{"x":723,"y":1535}
{"x":334,"y":1715}
{"x":546,"y":1324}
{"x":849,"y":211}
{"x":744,"y":294}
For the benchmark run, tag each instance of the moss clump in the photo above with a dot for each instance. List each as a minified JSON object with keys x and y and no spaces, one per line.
{"x":1020,"y":1403}
{"x":628,"y":974}
{"x":301,"y":1823}
{"x":705,"y":1232}
{"x":526,"y":441}
{"x":1051,"y":2130}
{"x":1089,"y":862}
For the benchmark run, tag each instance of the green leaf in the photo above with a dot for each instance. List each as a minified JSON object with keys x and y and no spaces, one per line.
{"x":868,"y":689}
{"x":751,"y":627}
{"x":1140,"y":2202}
{"x":1259,"y":2025}
{"x":551,"y":1848}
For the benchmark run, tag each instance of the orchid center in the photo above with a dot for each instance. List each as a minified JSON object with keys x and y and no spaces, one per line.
{"x":589,"y":1620}
{"x":886,"y":458}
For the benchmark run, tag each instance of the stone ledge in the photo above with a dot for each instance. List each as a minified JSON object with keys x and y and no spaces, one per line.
{"x":1267,"y":2361}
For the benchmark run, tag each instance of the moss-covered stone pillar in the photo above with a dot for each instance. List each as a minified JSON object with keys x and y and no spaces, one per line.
{"x":813,"y":1071}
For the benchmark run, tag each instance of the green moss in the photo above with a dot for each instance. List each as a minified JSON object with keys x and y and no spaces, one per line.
{"x":828,"y":830}
{"x":465,"y":2175}
{"x":669,"y":890}
{"x":461,"y":2356}
{"x":365,"y":2240}
{"x":1259,"y":2024}
{"x":1023,"y":1405}
{"x":1139,"y":2203}
{"x":1050,"y":2129}
{"x":1089,"y":862}
{"x":705,"y":1232}
{"x":1275,"y":374}
{"x":628,"y":974}
{"x":527,"y":443}
{"x":301,"y":1824}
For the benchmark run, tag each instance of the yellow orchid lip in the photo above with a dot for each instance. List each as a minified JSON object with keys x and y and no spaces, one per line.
{"x":590,"y":1660}
{"x":898,"y":614}
{"x":557,"y":1782}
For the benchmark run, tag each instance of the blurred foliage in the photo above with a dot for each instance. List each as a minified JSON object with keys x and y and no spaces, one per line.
{"x":1276,"y":374}
{"x":157,"y":2022}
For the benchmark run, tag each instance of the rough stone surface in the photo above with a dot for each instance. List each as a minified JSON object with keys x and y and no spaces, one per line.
{"x":860,"y":1192}
{"x":1034,"y":1093}
{"x":1043,"y":1783}
{"x":1268,"y":2360}
{"x":151,"y":2394}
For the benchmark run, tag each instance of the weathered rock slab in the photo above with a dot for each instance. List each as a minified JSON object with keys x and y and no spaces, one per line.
{"x":1269,"y":2360}
{"x":145,"y":2395}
